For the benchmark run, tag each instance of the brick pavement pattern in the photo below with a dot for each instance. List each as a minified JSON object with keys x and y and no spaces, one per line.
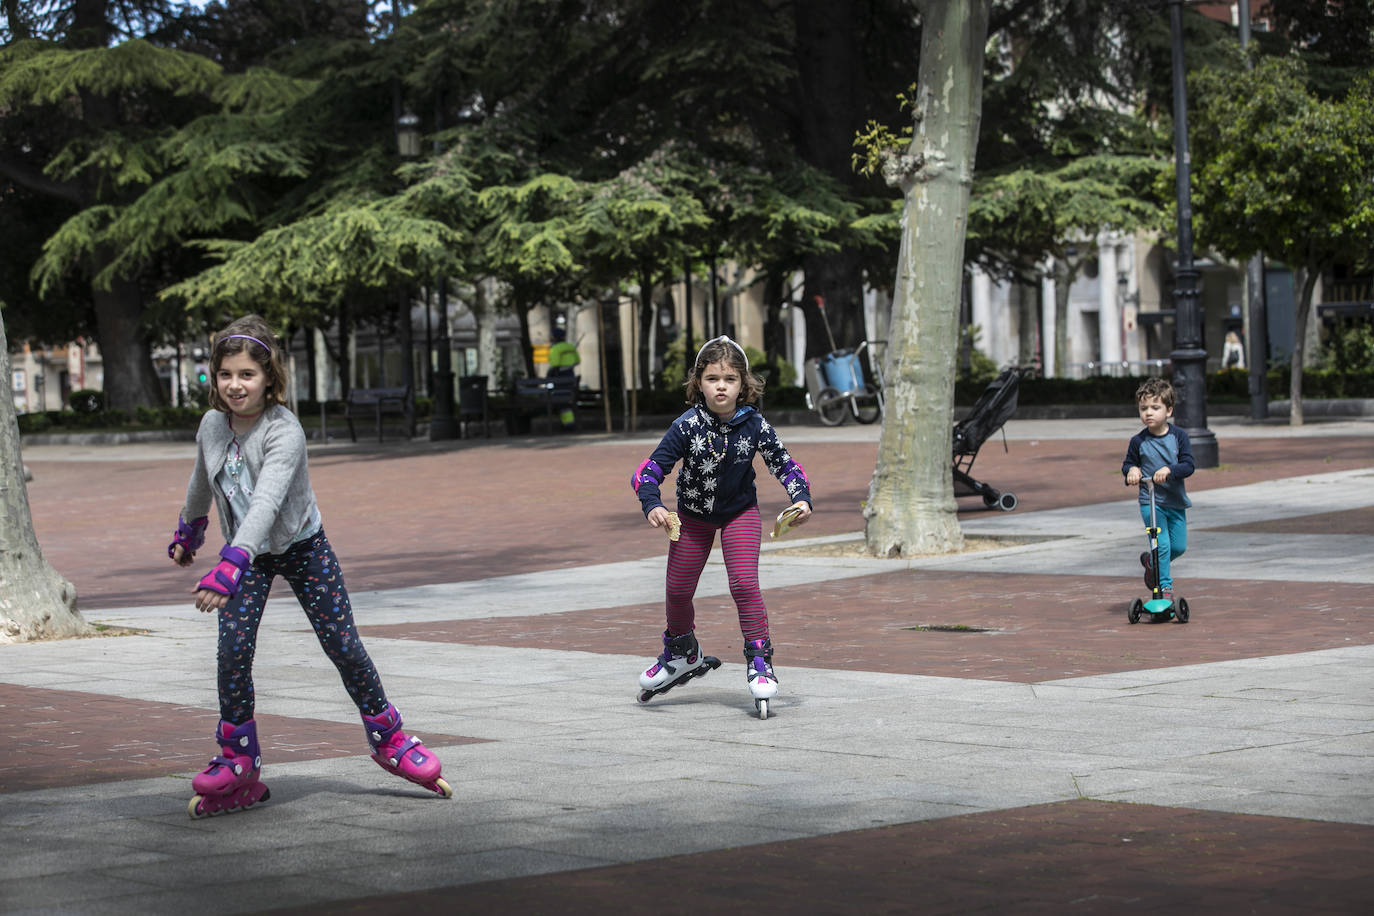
{"x":1071,"y":857}
{"x":78,"y":729}
{"x":400,"y":517}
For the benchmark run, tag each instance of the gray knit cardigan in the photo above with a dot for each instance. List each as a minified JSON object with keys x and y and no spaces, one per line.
{"x":274,"y":453}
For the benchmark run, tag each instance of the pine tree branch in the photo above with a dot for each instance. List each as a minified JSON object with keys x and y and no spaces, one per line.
{"x":35,"y":181}
{"x":1002,"y":17}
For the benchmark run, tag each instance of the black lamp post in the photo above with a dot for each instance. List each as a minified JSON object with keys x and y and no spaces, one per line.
{"x":408,"y":146}
{"x":442,"y":423}
{"x":1189,"y":359}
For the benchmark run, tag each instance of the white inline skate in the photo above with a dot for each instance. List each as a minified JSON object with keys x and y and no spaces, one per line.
{"x":763,"y":683}
{"x":680,"y":662}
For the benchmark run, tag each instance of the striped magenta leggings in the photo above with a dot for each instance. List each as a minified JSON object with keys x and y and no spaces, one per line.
{"x":739,"y":541}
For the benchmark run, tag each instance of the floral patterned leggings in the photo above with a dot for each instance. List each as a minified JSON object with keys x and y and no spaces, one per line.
{"x":312,"y":570}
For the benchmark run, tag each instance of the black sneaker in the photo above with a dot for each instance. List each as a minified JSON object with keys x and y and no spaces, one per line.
{"x":1149,"y":569}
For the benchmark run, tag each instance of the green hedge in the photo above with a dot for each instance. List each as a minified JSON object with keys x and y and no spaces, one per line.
{"x":672,"y":403}
{"x":57,"y":421}
{"x":1228,"y":385}
{"x":1316,"y":383}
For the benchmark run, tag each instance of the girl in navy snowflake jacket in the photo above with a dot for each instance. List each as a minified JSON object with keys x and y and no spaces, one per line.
{"x":716,"y":440}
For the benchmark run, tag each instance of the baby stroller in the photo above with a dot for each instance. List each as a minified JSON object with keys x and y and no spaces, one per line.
{"x":994,"y":407}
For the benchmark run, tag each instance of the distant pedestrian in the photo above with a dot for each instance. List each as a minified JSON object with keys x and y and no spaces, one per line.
{"x":1163,"y":453}
{"x":1232,"y":352}
{"x":716,"y":440}
{"x":563,"y":356}
{"x":251,"y":463}
{"x":563,"y":361}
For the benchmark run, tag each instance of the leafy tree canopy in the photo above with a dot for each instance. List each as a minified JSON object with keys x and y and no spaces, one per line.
{"x":1280,"y":170}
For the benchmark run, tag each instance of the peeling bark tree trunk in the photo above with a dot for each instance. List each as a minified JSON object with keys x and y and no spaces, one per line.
{"x":1028,"y":322}
{"x":35,"y":601}
{"x":488,"y":350}
{"x":1307,"y":283}
{"x":911,"y":508}
{"x":1064,"y":275}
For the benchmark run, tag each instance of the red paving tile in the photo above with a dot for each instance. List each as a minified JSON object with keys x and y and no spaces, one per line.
{"x":60,"y":738}
{"x":414,"y":514}
{"x":1351,"y":521}
{"x":406,"y":516}
{"x":1042,"y":627}
{"x":1069,"y":857}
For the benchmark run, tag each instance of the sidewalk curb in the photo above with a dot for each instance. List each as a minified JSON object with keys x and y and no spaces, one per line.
{"x":1278,"y":410}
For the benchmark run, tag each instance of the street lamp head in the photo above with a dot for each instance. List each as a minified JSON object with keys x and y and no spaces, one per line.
{"x":408,"y":135}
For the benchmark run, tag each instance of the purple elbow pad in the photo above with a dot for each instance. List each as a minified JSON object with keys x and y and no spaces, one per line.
{"x":647,"y":472}
{"x":792,"y":472}
{"x":190,"y":535}
{"x":224,"y":578}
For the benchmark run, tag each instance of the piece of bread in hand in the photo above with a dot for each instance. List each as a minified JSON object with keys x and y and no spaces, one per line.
{"x":674,"y":526}
{"x":784,"y":521}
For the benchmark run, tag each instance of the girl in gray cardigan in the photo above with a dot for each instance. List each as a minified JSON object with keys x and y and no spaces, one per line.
{"x":251,"y":463}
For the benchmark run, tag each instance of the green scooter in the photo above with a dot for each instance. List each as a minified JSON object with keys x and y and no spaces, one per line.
{"x":1157,"y":606}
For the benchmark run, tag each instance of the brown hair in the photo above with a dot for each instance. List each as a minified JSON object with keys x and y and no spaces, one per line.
{"x":1156,"y":388}
{"x":252,"y":335}
{"x":724,"y":350}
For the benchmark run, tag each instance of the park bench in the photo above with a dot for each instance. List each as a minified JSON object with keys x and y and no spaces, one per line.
{"x":533,"y":396}
{"x":376,"y":401}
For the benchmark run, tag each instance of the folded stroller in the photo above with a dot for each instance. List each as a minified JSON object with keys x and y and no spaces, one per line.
{"x":994,"y":407}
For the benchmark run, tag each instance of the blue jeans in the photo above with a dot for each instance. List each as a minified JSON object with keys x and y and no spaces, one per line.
{"x":1173,"y":538}
{"x":311,"y":569}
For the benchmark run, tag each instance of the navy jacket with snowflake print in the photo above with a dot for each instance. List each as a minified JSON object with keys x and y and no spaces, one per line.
{"x":716,"y":482}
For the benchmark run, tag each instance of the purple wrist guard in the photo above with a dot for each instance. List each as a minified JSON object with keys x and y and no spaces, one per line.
{"x":794,"y":478}
{"x":190,"y":535}
{"x":225,"y":577}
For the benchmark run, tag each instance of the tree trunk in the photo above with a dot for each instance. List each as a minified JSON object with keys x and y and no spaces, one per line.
{"x":1307,"y":281}
{"x":689,"y":332}
{"x":36,"y":602}
{"x":644,"y":345}
{"x":130,"y":380}
{"x":830,"y":70}
{"x":838,"y":279}
{"x":774,"y":333}
{"x":911,"y":508}
{"x":1028,"y":323}
{"x":1064,"y":275}
{"x":406,"y":338}
{"x":345,"y":359}
{"x":488,"y":350}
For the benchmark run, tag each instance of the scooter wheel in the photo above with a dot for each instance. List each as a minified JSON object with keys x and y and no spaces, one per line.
{"x":1137,"y":607}
{"x":1181,"y":610}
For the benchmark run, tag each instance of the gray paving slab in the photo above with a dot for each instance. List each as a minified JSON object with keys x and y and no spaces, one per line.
{"x":577,"y":774}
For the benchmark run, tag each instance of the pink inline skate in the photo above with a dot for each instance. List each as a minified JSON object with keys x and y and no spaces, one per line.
{"x":402,"y":755}
{"x":230,"y":783}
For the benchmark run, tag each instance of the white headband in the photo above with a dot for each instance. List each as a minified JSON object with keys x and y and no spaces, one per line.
{"x":722,"y":339}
